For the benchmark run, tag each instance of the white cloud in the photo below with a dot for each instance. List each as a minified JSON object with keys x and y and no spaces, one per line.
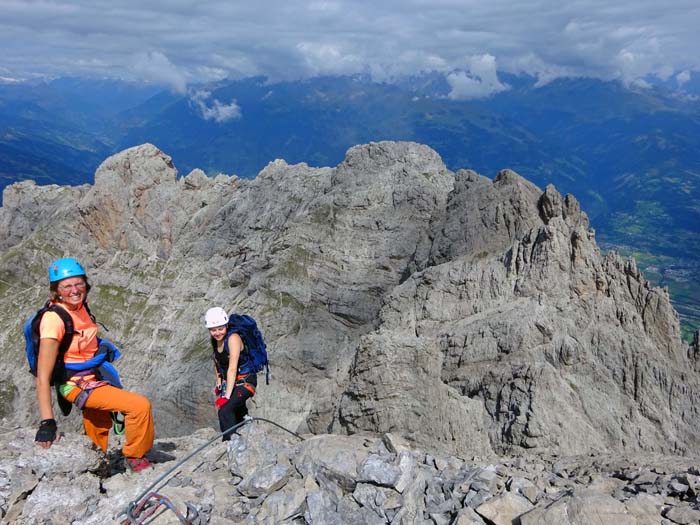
{"x":210,"y":74}
{"x":480,"y":80}
{"x":328,"y":59}
{"x":181,"y":42}
{"x":538,"y":68}
{"x":683,"y":77}
{"x":156,"y":67}
{"x":214,"y":110}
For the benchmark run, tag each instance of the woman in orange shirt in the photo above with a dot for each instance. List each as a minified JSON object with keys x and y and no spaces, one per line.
{"x":69,"y":288}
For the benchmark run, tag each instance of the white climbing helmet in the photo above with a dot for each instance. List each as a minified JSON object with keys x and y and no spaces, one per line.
{"x":215,"y":317}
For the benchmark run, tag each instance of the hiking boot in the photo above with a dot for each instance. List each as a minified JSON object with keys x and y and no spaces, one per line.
{"x":137,"y":464}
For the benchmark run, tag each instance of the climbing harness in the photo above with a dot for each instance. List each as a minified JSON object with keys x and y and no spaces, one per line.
{"x":148,"y":502}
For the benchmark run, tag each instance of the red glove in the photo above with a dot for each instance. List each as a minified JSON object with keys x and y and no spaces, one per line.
{"x":221,"y":401}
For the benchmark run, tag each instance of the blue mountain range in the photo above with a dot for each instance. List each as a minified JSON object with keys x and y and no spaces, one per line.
{"x":630,"y":155}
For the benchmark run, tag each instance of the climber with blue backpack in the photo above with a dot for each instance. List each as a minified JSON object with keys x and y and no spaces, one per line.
{"x":239,"y":354}
{"x":64,"y":351}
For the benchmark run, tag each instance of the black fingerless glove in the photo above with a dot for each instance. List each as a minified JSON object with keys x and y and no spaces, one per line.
{"x":47,"y":431}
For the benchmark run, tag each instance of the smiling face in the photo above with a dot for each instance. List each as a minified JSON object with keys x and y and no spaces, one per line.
{"x":72,"y":292}
{"x":218,"y":332}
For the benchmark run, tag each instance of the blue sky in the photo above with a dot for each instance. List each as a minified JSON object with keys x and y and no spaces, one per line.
{"x":178,"y":43}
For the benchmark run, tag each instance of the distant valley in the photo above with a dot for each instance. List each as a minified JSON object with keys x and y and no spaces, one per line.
{"x":629,"y":155}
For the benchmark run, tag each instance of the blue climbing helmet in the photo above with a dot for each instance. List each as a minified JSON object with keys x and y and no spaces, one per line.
{"x":64,"y":268}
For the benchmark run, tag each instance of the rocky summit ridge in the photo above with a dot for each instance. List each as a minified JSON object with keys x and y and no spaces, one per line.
{"x":469,"y":316}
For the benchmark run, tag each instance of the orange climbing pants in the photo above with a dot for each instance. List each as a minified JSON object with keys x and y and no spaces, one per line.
{"x":97,"y":420}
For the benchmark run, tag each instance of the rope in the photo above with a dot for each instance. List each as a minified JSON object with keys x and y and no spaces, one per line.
{"x":134,"y":508}
{"x":277,"y":425}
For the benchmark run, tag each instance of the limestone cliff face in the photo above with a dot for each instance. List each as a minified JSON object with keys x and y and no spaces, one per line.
{"x":527,"y":333}
{"x":474,"y":314}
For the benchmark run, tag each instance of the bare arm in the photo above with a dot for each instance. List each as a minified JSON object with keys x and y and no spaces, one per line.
{"x":235,"y":345}
{"x":48,"y":353}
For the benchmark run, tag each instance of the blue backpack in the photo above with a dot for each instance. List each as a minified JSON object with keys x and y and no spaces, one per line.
{"x":31,"y":340}
{"x":101,"y":362}
{"x":254,"y":347}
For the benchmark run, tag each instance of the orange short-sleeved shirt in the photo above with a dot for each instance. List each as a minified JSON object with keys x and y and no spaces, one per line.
{"x":84,"y":343}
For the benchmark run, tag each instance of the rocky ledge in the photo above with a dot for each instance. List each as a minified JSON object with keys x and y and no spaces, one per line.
{"x":266,"y":475}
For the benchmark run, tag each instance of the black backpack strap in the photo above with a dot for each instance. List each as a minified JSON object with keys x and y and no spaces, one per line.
{"x":68,"y":323}
{"x":58,"y":374}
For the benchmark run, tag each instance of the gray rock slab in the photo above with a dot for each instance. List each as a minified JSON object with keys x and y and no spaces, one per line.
{"x":504,"y":509}
{"x":266,"y":480}
{"x":580,"y":508}
{"x":285,"y":504}
{"x":380,"y":471}
{"x":683,"y":514}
